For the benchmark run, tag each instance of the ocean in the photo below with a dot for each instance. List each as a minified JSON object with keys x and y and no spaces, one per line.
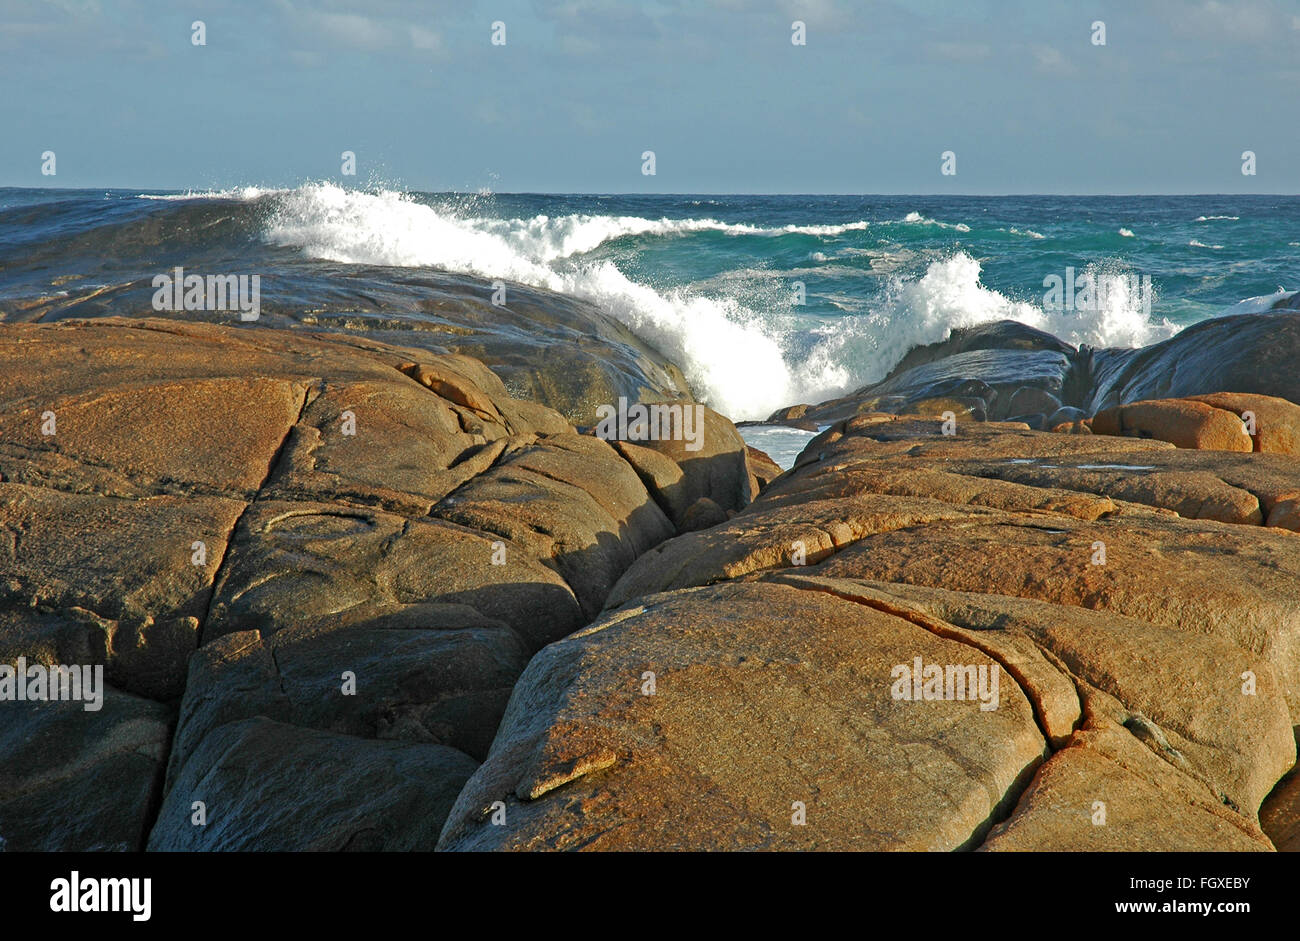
{"x":763,"y":301}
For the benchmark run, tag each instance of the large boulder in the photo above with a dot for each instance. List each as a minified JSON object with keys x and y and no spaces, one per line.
{"x":713,"y":462}
{"x":771,"y":723}
{"x":1009,"y":371}
{"x":270,"y":787}
{"x":991,"y":371}
{"x":1184,"y":423}
{"x":1160,"y":653}
{"x":1243,"y":353}
{"x":352,"y":557}
{"x":1224,"y":421}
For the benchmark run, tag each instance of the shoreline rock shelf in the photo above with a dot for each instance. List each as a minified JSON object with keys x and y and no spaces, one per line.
{"x":351,"y":595}
{"x":238,"y":524}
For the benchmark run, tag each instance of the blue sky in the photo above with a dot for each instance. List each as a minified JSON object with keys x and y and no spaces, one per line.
{"x":1015,"y":88}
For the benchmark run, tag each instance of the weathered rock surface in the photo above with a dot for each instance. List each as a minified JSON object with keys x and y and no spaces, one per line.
{"x":1230,"y":488}
{"x":342,"y":568}
{"x":73,"y":779}
{"x":717,"y":465}
{"x":339,"y":590}
{"x":272,"y":787}
{"x":1158,"y":657}
{"x":777,"y":704}
{"x":1106,"y":792}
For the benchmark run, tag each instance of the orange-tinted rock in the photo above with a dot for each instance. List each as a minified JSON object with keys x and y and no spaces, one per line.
{"x":762,"y":469}
{"x":1276,"y":421}
{"x":1185,"y":423}
{"x":367,"y":514}
{"x":771,"y":724}
{"x":1285,"y":514}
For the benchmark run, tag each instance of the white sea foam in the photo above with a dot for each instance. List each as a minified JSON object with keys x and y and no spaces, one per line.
{"x":950,"y":295}
{"x":1196,"y":243}
{"x":1029,"y":232}
{"x":732,"y":358}
{"x":237,"y":192}
{"x":1257,"y":305}
{"x":1216,"y":218}
{"x":915,"y":218}
{"x":735,"y":345}
{"x":1127,"y":233}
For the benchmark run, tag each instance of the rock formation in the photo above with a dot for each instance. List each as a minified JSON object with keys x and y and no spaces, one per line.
{"x":349,"y":595}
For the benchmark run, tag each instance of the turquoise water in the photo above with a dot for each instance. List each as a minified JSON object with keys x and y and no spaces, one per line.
{"x":712,"y":282}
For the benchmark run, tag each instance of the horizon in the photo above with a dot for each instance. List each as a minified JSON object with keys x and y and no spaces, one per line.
{"x":197,"y":193}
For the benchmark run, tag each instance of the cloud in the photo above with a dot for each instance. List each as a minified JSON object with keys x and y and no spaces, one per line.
{"x":426,"y":40}
{"x":1262,"y":24}
{"x":392,"y":26}
{"x":1048,"y":60}
{"x":352,"y":29}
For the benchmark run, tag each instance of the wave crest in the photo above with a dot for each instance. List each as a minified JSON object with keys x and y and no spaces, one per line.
{"x":744,"y":353}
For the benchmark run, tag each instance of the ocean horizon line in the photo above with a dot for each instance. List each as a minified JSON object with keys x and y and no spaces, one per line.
{"x":633,"y":193}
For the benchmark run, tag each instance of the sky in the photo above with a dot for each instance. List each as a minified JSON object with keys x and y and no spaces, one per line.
{"x":1017,"y":90}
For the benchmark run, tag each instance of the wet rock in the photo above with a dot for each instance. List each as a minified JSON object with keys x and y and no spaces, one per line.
{"x":1240,"y":353}
{"x":983,"y":369}
{"x":1064,"y":415}
{"x":561,"y":351}
{"x":1028,"y":400}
